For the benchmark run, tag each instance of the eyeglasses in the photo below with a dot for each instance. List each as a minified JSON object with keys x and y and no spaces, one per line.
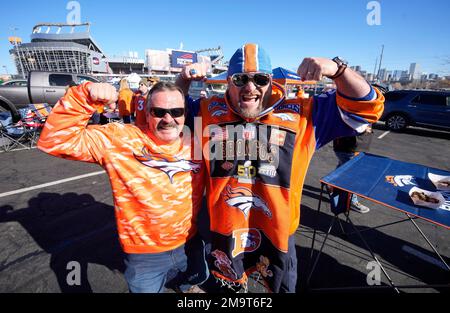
{"x":242,"y":79}
{"x":160,"y":112}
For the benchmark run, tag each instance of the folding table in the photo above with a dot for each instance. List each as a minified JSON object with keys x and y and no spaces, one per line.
{"x":387,"y":182}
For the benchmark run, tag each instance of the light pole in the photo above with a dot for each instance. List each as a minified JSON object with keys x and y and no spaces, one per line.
{"x":6,"y":69}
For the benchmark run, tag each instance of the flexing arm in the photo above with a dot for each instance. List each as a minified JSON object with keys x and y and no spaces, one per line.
{"x":66,"y":133}
{"x":349,"y":83}
{"x":348,"y":111}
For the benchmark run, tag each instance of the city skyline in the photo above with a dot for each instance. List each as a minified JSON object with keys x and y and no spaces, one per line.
{"x":287,"y":38}
{"x":413,"y":73}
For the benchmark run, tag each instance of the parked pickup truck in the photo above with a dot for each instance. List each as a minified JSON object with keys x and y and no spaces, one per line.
{"x":41,"y":87}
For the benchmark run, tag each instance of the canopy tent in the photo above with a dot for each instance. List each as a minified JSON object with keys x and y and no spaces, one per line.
{"x":280,"y":75}
{"x":219,"y":79}
{"x":287,"y":77}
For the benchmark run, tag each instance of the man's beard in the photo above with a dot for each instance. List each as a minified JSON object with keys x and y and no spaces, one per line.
{"x":247,"y":113}
{"x":254,"y":113}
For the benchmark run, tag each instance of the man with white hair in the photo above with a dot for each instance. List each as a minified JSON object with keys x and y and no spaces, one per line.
{"x":156,"y":182}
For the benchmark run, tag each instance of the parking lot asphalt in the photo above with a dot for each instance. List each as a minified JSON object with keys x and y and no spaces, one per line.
{"x":45,"y":228}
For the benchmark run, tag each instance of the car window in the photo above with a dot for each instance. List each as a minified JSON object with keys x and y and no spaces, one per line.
{"x":429,"y":99}
{"x":394,"y":96}
{"x":18,"y":83}
{"x":82,"y":79}
{"x":448,"y":101}
{"x":61,"y":80}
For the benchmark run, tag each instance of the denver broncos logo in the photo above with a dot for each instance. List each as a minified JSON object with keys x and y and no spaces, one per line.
{"x":401,"y":180}
{"x":245,"y":240}
{"x":244,"y":200}
{"x":167,"y":164}
{"x":284,"y":116}
{"x":219,"y":113}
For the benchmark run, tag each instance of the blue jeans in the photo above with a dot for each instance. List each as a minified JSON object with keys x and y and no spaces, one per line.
{"x":290,"y":274}
{"x":182,"y":268}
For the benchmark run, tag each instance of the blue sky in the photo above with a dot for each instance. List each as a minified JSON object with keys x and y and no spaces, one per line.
{"x":412,"y":31}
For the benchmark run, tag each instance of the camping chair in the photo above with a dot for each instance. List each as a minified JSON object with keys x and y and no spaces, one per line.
{"x":41,"y":110}
{"x":36,"y":122}
{"x":12,"y":135}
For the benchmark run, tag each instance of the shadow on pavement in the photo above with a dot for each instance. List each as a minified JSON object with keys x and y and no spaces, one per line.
{"x":69,"y":227}
{"x":331,"y":273}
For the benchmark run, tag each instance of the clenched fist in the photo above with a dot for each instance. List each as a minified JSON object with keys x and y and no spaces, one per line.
{"x":105,"y":93}
{"x":194,"y":71}
{"x":315,"y":68}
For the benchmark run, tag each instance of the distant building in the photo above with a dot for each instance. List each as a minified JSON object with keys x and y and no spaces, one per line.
{"x":396,"y":75}
{"x":60,"y":48}
{"x":69,"y":48}
{"x":127,"y":64}
{"x":405,"y":76}
{"x":382,"y":74}
{"x":433,"y":76}
{"x":414,"y":71}
{"x":171,"y":61}
{"x":388,"y":76}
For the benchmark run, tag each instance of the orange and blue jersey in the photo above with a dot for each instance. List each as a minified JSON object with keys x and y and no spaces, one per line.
{"x":256,"y":170}
{"x":157,"y":188}
{"x":138,"y":108}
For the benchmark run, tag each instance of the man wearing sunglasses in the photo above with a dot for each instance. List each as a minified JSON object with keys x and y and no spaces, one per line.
{"x":157,"y":185}
{"x":257,"y":146}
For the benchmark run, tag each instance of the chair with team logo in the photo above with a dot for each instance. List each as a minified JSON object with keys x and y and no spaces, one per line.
{"x":41,"y":111}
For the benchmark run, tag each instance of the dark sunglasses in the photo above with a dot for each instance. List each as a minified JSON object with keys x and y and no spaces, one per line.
{"x":242,"y":79}
{"x":160,"y":112}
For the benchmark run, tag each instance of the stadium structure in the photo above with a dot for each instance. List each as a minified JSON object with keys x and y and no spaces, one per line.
{"x":70,"y":48}
{"x":67,"y":48}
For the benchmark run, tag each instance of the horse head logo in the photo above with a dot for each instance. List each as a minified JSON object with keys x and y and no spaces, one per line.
{"x":244,"y":200}
{"x":168,"y":164}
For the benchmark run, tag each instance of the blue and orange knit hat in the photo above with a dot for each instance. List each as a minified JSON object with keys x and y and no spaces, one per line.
{"x":250,"y":58}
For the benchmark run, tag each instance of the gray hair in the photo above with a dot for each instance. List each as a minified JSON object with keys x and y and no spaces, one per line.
{"x":163,"y":86}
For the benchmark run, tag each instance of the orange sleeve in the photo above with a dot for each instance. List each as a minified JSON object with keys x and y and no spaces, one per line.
{"x":369,"y":110}
{"x":66,"y":133}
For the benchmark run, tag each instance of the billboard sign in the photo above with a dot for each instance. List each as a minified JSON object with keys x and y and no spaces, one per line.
{"x":181,"y":58}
